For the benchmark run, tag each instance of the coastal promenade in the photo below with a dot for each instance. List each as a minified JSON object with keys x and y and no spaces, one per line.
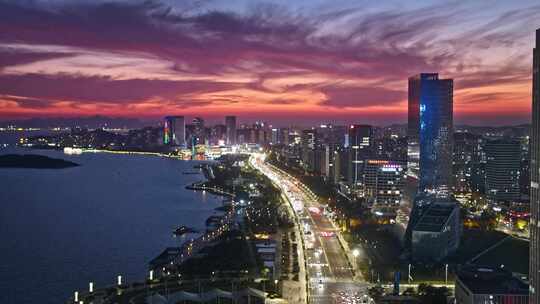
{"x":159,"y":280}
{"x":201,"y":187}
{"x":195,"y":245}
{"x":164,"y":287}
{"x":330,"y":274}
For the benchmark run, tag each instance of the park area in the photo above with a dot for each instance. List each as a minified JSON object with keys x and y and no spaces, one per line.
{"x":382,"y":255}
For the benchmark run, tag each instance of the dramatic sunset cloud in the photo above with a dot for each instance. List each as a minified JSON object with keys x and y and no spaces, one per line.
{"x":341,"y":61}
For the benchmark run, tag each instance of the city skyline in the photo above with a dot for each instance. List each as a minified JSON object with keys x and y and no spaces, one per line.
{"x":308,"y":61}
{"x":273,"y":151}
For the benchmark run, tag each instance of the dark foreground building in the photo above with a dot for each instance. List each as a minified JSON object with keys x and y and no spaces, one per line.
{"x":479,"y":285}
{"x":434,"y":228}
{"x":534,"y":272}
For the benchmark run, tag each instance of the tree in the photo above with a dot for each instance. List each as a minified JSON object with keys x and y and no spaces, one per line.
{"x":432,"y":295}
{"x":409,"y":292}
{"x":488,"y":220}
{"x":376,"y":292}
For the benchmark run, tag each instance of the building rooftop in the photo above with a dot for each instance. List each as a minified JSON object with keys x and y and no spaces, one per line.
{"x":487,"y":280}
{"x":435,"y":214}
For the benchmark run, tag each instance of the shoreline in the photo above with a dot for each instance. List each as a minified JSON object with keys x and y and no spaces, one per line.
{"x":132,"y":271}
{"x":224,"y":212}
{"x":210,"y":190}
{"x":224,"y":250}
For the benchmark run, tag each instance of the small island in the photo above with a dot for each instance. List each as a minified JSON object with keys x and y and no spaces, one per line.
{"x":33,"y":161}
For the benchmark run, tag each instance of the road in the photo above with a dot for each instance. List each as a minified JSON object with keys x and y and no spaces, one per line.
{"x":330,"y":276}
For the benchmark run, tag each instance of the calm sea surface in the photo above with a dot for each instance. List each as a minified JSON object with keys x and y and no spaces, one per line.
{"x":60,"y":229}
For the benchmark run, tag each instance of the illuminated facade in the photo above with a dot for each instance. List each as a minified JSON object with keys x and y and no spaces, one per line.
{"x":534,"y":271}
{"x":384,"y":182}
{"x":360,"y":144}
{"x":430,"y":131}
{"x":198,"y":136}
{"x":433,"y":230}
{"x":174,"y":131}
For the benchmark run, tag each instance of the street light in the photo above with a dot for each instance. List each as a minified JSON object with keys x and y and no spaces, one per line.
{"x":356,"y":253}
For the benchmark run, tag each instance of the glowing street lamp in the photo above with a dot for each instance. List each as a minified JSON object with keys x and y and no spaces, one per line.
{"x":356,"y":253}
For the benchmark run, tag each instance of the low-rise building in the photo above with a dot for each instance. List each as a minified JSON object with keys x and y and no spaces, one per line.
{"x":436,"y":228}
{"x":479,"y":285}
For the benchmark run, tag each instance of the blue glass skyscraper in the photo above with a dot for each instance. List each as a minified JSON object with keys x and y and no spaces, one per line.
{"x":430,"y":138}
{"x":430,"y":131}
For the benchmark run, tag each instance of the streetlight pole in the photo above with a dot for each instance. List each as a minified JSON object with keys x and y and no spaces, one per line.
{"x":446,"y":273}
{"x":355,"y":253}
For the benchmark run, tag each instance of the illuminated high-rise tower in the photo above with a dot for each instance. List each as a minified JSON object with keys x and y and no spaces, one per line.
{"x":360,"y":144}
{"x":199,"y":133}
{"x":534,"y":271}
{"x":174,"y":131}
{"x":230,"y":125}
{"x":430,"y":131}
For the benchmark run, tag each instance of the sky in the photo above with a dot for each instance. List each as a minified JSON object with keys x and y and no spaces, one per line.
{"x":287,"y":62}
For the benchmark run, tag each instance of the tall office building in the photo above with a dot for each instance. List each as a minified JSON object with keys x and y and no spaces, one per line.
{"x":174,"y":131}
{"x":230,"y":124}
{"x":284,"y":136}
{"x":360,"y":145}
{"x":360,"y":136}
{"x":503,"y":162}
{"x":433,"y":229}
{"x":430,"y":131}
{"x":468,"y":155}
{"x":534,"y":271}
{"x":384,"y":182}
{"x":199,"y":134}
{"x":308,"y":139}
